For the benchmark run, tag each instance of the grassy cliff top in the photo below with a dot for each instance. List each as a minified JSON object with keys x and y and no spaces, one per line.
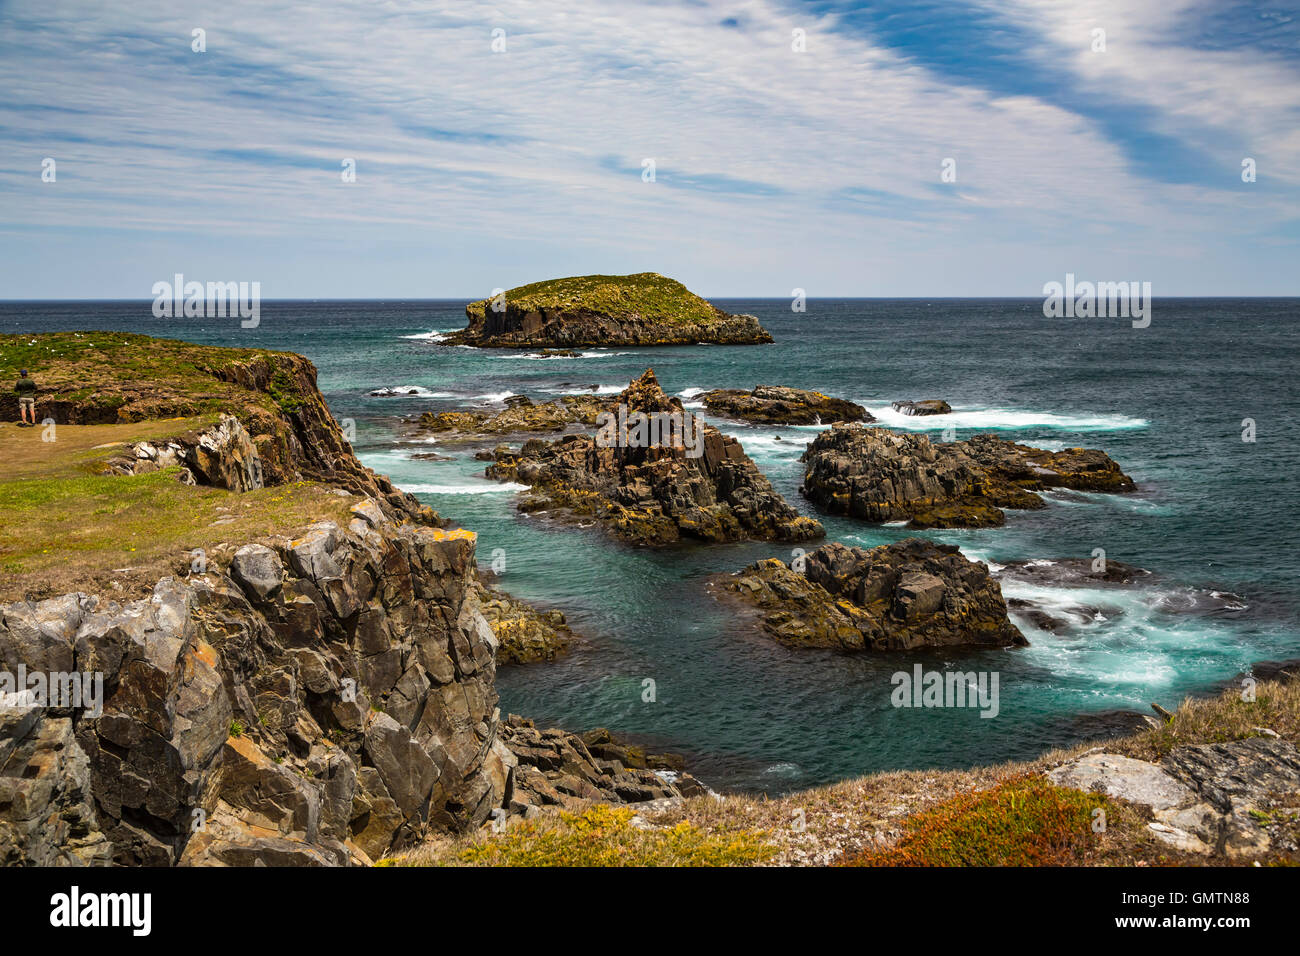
{"x":647,"y":294}
{"x":66,"y":525}
{"x":140,"y":377}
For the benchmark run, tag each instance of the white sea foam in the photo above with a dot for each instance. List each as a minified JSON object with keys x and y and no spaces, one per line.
{"x":1001,"y":418}
{"x":465,"y":489}
{"x":435,"y":336}
{"x":537,"y":357}
{"x":408,"y":391}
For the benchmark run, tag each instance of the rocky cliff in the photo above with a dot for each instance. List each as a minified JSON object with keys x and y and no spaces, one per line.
{"x":256,"y":417}
{"x":322,"y":695}
{"x":320,"y":701}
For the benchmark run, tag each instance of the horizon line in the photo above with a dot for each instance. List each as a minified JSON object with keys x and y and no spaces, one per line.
{"x":756,"y":298}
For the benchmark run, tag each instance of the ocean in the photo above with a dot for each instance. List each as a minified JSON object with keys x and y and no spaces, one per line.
{"x":1214,"y":517}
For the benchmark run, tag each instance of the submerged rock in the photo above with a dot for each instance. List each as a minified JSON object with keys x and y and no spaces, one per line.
{"x":880,"y":475}
{"x":929,"y":406}
{"x":778,"y":405}
{"x":525,"y":634}
{"x":655,"y":493}
{"x":1074,"y":572}
{"x":641,"y":309}
{"x":520,"y":415}
{"x":913,"y":593}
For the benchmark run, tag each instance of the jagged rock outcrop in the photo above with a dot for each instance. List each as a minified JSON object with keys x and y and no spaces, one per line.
{"x":655,"y":492}
{"x":299,"y":439}
{"x":1205,"y":798}
{"x":222,"y":456}
{"x":928,"y":406}
{"x":641,"y":309}
{"x":912,"y":593}
{"x":879,"y":475}
{"x":323,"y":700}
{"x":521,"y":415}
{"x":779,"y":405}
{"x":566,"y":770}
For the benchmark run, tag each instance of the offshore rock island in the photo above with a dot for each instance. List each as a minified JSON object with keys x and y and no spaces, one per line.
{"x":641,"y":309}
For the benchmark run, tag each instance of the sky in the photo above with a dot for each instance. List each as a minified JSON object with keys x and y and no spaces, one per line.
{"x":795,"y":145}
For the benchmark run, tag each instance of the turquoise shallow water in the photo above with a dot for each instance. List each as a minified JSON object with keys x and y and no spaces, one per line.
{"x":1213,"y":514}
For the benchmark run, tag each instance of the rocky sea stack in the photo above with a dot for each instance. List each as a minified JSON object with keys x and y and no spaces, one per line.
{"x":641,"y":309}
{"x":778,"y":405}
{"x":909,"y":594}
{"x":880,"y":475}
{"x":659,"y":493}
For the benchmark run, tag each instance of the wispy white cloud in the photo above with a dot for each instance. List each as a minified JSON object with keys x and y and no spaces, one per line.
{"x":774,"y":168}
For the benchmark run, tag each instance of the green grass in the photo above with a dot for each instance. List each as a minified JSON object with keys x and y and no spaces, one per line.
{"x":648,"y":294}
{"x":160,"y":377}
{"x":83,"y":531}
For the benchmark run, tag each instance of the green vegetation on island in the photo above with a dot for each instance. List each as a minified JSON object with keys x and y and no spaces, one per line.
{"x":641,"y":309}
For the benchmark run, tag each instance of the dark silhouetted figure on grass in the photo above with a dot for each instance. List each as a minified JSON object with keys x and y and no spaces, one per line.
{"x":26,"y":389}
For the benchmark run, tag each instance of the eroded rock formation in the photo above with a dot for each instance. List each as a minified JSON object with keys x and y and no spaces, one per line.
{"x":520,"y":415}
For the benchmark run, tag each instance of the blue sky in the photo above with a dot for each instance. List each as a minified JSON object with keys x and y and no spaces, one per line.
{"x":775,"y":169}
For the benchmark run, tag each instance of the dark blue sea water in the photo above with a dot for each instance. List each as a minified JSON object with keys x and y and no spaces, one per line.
{"x":1213,"y":513}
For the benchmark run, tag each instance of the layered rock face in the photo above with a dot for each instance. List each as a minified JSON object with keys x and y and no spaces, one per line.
{"x":909,"y":594}
{"x":641,"y":309}
{"x":655,"y":494}
{"x":778,"y":405}
{"x":301,"y":440}
{"x":319,"y":702}
{"x":878,"y":475}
